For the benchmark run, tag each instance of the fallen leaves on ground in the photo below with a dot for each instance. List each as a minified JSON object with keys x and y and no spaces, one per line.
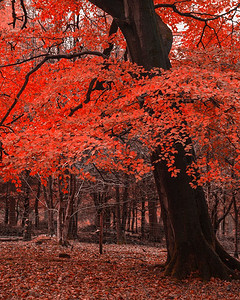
{"x":31,"y":270}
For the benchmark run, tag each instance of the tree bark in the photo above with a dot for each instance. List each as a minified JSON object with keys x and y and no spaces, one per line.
{"x":153,"y":223}
{"x":36,"y":205}
{"x":26,"y":200}
{"x":7,"y":196}
{"x":49,"y":203}
{"x":236,"y":221}
{"x":124,"y":205}
{"x":69,"y":208}
{"x":101,"y":233}
{"x":60,"y":212}
{"x":143,"y":221}
{"x":214,"y":212}
{"x":120,"y":233}
{"x":133,"y":215}
{"x":12,"y":210}
{"x":193,"y":246}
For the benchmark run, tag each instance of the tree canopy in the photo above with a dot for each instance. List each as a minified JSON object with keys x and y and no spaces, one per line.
{"x":53,"y":113}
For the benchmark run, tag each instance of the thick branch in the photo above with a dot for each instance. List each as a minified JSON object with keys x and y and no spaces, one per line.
{"x":25,"y":18}
{"x":113,"y":29}
{"x":15,"y":120}
{"x":38,"y":66}
{"x":194,"y":15}
{"x":14,"y":16}
{"x":23,"y":61}
{"x":90,"y":88}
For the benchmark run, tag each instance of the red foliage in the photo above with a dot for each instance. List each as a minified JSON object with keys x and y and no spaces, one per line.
{"x":199,"y":96}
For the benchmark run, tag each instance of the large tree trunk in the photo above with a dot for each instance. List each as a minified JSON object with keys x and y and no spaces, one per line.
{"x":192,"y":245}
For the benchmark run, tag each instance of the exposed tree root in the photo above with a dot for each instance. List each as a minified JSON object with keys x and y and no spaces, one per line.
{"x":228,"y":260}
{"x":201,"y":259}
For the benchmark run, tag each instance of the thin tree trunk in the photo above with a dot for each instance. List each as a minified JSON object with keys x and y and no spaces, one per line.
{"x":36,"y":205}
{"x":120,"y":235}
{"x":72,"y":233}
{"x":107,"y":218}
{"x":50,"y":209}
{"x":12,"y":210}
{"x":48,"y":195}
{"x":143,"y":221}
{"x":69,"y":210}
{"x":114,"y":227}
{"x":60,"y":212}
{"x":224,"y":211}
{"x":6,"y":216}
{"x":26,"y":200}
{"x":236,"y":211}
{"x":17,"y":208}
{"x":215,"y":213}
{"x":133,"y":216}
{"x":124,"y":205}
{"x":101,"y":233}
{"x":136,"y":218}
{"x":153,"y":224}
{"x":129,"y":215}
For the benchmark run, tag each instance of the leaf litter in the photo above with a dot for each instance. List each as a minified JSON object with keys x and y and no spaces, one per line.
{"x":45,"y":270}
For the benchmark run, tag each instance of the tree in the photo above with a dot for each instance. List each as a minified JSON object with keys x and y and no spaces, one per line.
{"x":186,"y":208}
{"x":147,"y":102}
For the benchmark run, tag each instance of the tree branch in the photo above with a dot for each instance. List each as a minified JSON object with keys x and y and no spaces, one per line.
{"x":90,"y":88}
{"x":194,"y":15}
{"x":225,"y":214}
{"x":25,"y":17}
{"x":38,"y":66}
{"x":14,"y":16}
{"x":113,"y":29}
{"x":23,"y":61}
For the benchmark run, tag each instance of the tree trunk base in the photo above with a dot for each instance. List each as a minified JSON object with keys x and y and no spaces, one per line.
{"x":201,"y":260}
{"x":228,"y":260}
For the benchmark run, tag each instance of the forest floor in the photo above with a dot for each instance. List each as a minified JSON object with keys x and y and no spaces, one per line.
{"x":36,"y":270}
